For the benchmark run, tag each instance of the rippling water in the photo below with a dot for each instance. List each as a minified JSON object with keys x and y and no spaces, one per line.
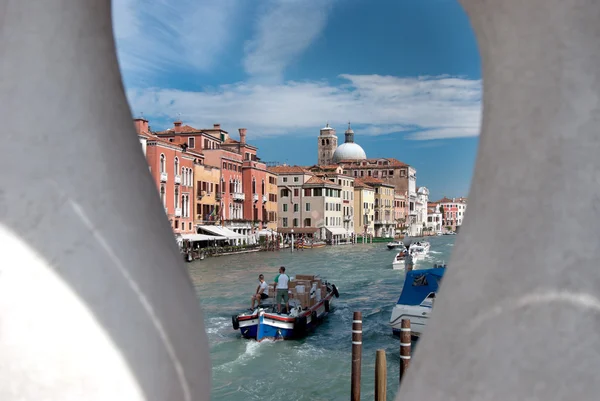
{"x":317,"y":367}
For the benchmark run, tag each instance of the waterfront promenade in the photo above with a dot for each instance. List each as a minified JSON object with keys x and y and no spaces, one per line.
{"x":318,"y":367}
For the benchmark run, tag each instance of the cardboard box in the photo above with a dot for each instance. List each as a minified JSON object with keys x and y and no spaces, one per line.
{"x":292,"y":284}
{"x":304,"y":277}
{"x":304,"y":299}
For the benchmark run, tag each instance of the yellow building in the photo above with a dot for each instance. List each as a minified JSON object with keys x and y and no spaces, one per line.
{"x":207,"y":208}
{"x":385,"y":224}
{"x":364,"y":208}
{"x":271,"y":204}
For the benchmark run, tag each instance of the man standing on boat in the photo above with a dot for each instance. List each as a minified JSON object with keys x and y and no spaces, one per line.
{"x":408,"y":260}
{"x":281,"y":285}
{"x":262,"y":291}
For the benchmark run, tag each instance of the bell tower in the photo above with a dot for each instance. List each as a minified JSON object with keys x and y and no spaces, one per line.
{"x":327,"y":145}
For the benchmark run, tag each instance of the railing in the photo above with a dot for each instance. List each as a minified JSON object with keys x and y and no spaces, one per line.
{"x":255,"y":197}
{"x":164,"y":177}
{"x":239,"y":196}
{"x":348,"y":218}
{"x":264,"y":198}
{"x":177,"y":212}
{"x":177,"y":179}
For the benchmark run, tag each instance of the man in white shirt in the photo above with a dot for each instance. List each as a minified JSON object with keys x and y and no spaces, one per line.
{"x":262,"y":291}
{"x":281,"y":286}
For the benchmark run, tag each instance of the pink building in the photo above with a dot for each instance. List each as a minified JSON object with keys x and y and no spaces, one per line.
{"x":453,"y":211}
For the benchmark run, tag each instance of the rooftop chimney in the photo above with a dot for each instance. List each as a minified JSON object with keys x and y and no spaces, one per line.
{"x":141,"y":125}
{"x":242,"y":135}
{"x":177,"y":125}
{"x":217,"y":126}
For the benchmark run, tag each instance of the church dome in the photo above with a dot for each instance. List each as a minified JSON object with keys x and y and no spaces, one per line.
{"x":349,"y":151}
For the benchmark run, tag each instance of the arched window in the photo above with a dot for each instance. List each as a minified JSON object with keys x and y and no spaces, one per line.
{"x":176,"y":165}
{"x":327,"y":141}
{"x":191,"y":177}
{"x":230,"y":211}
{"x":253,"y":186}
{"x":163,"y":199}
{"x":323,"y":142}
{"x":263,"y":187}
{"x":176,"y":197}
{"x":163,"y":164}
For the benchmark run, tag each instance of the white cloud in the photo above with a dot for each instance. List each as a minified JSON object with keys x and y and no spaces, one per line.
{"x":437,"y":107}
{"x":284,"y":30}
{"x":155,"y":36}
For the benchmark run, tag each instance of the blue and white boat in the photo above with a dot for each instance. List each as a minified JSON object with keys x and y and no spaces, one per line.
{"x":416,"y":300}
{"x":265,"y":323}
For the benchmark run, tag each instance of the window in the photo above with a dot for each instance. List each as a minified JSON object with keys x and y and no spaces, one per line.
{"x":163,"y":165}
{"x":285,"y":222}
{"x":307,"y":222}
{"x":285,"y":192}
{"x":326,"y":221}
{"x":176,"y":165}
{"x":190,"y":226}
{"x":191,"y":142}
{"x":306,"y":191}
{"x":285,"y":207}
{"x":296,"y":207}
{"x":284,"y":179}
{"x":262,"y":187}
{"x":253,"y":186}
{"x":296,"y":179}
{"x":162,"y":195}
{"x":295,"y":222}
{"x":176,"y":197}
{"x":308,"y":207}
{"x":224,"y":166}
{"x":296,"y":192}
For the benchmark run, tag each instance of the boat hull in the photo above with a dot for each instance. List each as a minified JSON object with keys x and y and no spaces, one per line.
{"x":418,"y":316}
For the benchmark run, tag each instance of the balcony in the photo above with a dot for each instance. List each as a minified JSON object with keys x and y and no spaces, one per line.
{"x":264,"y":198}
{"x":164,"y":177}
{"x":177,"y":212}
{"x":348,"y":217}
{"x":381,"y":222}
{"x":177,"y":179}
{"x":201,"y":195}
{"x":218,"y":195}
{"x":255,"y":197}
{"x":239,"y":196}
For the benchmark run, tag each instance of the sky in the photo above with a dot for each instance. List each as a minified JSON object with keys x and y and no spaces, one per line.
{"x":405,"y":73}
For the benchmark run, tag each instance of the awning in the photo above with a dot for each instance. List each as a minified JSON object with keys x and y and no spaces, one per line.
{"x":221,"y":232}
{"x":267,"y":232}
{"x":201,"y":237}
{"x":297,"y":230}
{"x":338,"y":231}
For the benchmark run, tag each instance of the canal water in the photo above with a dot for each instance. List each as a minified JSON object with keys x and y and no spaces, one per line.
{"x":317,"y":367}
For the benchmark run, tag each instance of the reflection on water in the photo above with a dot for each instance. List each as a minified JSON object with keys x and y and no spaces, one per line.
{"x":317,"y":367}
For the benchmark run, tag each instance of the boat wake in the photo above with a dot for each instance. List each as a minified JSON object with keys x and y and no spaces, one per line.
{"x":253,"y":349}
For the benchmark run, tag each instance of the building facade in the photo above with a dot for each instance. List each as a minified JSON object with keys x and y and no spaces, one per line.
{"x":434,"y":218}
{"x":385,"y":226}
{"x":364,"y":208}
{"x":400,"y":212}
{"x":172,"y":168}
{"x":453,"y":212}
{"x":271,"y":205}
{"x":207,"y":194}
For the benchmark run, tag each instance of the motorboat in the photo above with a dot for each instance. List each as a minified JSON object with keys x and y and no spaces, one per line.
{"x":398,"y":262}
{"x":419,"y":250}
{"x":395,"y":244}
{"x":416,"y":299}
{"x":307,"y":310}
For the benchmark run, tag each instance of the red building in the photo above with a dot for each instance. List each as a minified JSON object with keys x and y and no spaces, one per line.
{"x":172,"y":168}
{"x":254,"y":176}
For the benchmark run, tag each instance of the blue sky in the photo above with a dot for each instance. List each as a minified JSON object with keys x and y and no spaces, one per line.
{"x":406,"y":73}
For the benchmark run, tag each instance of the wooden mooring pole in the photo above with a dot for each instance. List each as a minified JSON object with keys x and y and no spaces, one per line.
{"x":405,"y":346}
{"x":380,"y":376}
{"x":356,"y":355}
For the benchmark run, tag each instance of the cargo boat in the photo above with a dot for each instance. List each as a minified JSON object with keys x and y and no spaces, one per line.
{"x":311,"y":301}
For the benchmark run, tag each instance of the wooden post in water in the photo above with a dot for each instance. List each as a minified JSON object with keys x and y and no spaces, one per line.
{"x":405,"y":346}
{"x":356,"y":355}
{"x":380,"y":376}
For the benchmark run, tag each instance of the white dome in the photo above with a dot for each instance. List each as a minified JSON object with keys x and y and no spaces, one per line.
{"x":349,"y":151}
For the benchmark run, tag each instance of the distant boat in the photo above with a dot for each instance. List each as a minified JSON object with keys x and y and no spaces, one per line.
{"x":395,"y":244}
{"x":417,"y":298}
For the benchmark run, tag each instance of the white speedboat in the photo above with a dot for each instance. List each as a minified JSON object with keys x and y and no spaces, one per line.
{"x":398,"y":262}
{"x":416,"y":300}
{"x":395,"y":244}
{"x":419,"y":250}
